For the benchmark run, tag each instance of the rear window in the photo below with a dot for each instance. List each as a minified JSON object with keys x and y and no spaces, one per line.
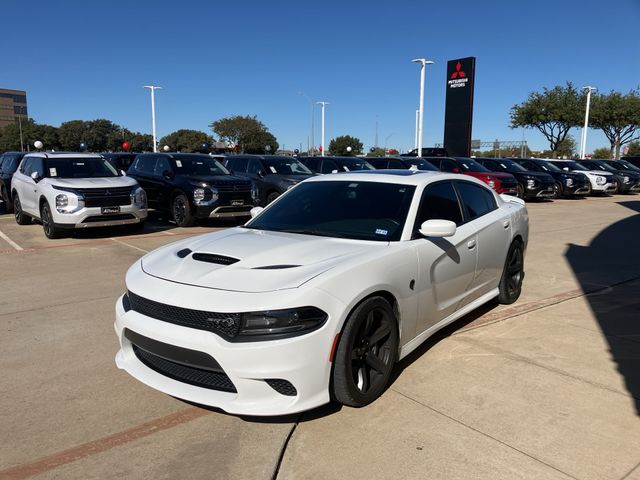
{"x":477,"y":200}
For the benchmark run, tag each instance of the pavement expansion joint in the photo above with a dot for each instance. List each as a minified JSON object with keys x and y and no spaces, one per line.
{"x":283,"y":450}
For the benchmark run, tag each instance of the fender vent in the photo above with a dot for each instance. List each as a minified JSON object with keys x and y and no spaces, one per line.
{"x":275,"y":267}
{"x":281,"y":386}
{"x":213,"y":258}
{"x":183,"y":253}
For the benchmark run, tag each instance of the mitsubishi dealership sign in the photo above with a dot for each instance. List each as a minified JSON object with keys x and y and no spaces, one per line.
{"x":459,"y":106}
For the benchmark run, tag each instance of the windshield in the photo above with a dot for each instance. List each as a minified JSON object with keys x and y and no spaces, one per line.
{"x":603,"y":166}
{"x":571,"y":165}
{"x":547,"y":167}
{"x":80,"y":168}
{"x":421,"y":164}
{"x":628,"y":166}
{"x":469,"y":165}
{"x":10,"y":164}
{"x":351,"y":164}
{"x":508,"y":166}
{"x":286,"y":166}
{"x":344,"y":209}
{"x":198,"y":165}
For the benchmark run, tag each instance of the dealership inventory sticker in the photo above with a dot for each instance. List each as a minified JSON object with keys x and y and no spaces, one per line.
{"x":380,"y":231}
{"x":53,"y":172}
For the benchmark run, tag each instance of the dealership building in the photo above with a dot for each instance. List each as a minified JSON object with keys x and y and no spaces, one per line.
{"x":13,"y":106}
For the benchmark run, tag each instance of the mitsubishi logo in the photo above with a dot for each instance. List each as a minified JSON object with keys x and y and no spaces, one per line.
{"x":107,"y":193}
{"x":459,"y":72}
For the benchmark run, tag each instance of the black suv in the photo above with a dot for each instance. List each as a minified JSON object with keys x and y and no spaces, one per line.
{"x":402,"y":163}
{"x":568,"y":184}
{"x":9,"y":162}
{"x":335,"y":164}
{"x":628,"y":181}
{"x":192,"y":186}
{"x":120,"y":160}
{"x":530,"y":184}
{"x":632,"y":160}
{"x":273,"y":174}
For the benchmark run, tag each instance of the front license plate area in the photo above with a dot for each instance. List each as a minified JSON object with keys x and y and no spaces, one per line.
{"x":108,"y":210}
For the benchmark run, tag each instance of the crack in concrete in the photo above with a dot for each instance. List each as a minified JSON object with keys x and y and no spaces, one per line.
{"x":283,"y":450}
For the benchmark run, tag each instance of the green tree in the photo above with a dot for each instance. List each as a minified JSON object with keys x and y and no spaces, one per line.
{"x":250,"y":134}
{"x":140,"y":142}
{"x":634,"y":148}
{"x":188,"y":141}
{"x":603,"y":152}
{"x":339,"y":145}
{"x":376,"y":152}
{"x":618,"y":116}
{"x":99,"y":135}
{"x":567,"y":148}
{"x":31,"y":131}
{"x":552,"y":112}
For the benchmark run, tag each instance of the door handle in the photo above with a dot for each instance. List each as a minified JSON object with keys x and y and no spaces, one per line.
{"x":471,"y":244}
{"x":506,"y":224}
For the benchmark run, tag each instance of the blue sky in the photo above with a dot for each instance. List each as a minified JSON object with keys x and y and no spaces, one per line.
{"x":85,"y":60}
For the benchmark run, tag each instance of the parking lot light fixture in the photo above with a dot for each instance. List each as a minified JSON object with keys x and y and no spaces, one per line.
{"x":422,"y":62}
{"x":322,"y":104}
{"x":583,"y":143}
{"x":153,"y":88}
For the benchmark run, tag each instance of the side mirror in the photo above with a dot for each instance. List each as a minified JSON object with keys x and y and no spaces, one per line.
{"x":261,"y":173}
{"x":35,"y":177}
{"x":456,"y":170}
{"x":255,"y":211}
{"x":334,"y":171}
{"x":566,"y":169}
{"x":437,"y":228}
{"x":168,"y":174}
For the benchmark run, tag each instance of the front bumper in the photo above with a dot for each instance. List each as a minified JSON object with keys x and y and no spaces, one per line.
{"x":301,"y":361}
{"x":582,"y":188}
{"x":224,"y":211}
{"x":93,"y":217}
{"x":540,"y":190}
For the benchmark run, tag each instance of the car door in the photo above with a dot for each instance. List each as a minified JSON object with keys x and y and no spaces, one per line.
{"x":493,"y":230}
{"x":24,"y":185}
{"x":446,"y":265}
{"x":142,"y":170}
{"x":161,"y":182}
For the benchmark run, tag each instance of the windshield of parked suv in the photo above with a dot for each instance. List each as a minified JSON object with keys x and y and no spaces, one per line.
{"x":605,"y":167}
{"x":507,"y":166}
{"x":352,"y":164}
{"x":627,"y":166}
{"x":421,"y":164}
{"x":10,"y":164}
{"x":344,"y":209}
{"x":571,"y":166}
{"x":285,"y":166}
{"x":547,"y":167}
{"x":198,"y":165}
{"x":79,"y":168}
{"x":469,"y":165}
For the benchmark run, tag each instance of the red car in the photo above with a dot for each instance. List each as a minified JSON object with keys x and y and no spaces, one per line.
{"x":500,"y":182}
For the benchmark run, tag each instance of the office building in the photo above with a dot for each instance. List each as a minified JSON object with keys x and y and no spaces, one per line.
{"x":13,"y":106}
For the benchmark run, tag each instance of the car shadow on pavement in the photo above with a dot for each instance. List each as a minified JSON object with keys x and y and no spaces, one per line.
{"x":608,"y":270}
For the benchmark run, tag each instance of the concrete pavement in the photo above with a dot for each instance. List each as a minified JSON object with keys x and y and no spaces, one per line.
{"x":546,"y":388}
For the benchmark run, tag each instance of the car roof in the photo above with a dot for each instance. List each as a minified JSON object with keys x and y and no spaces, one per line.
{"x":400,"y":176}
{"x":63,"y":155}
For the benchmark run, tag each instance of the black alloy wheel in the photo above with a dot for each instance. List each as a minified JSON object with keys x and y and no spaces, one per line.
{"x":20,"y":216}
{"x":46,"y":218}
{"x":6,"y":201}
{"x":559,"y":191}
{"x":272,"y":196}
{"x":512,"y":275}
{"x":616,"y":188}
{"x":520,"y":191}
{"x":366,"y":353}
{"x":181,"y":211}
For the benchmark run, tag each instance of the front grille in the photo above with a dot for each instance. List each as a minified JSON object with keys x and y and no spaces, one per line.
{"x":109,"y":218}
{"x":283,"y":387}
{"x":106,"y":197}
{"x":212,"y":258}
{"x":238,"y":186}
{"x":226,"y":325}
{"x":183,"y":373}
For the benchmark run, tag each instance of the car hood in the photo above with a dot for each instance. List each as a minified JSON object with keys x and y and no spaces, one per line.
{"x":262,"y":261}
{"x":540,"y":176}
{"x":107,"y":182}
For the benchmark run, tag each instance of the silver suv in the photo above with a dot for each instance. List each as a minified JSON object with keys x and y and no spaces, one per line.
{"x":74,"y":190}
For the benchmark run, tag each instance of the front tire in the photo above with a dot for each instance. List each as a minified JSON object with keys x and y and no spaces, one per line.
{"x":272,"y":196}
{"x":8,"y":205}
{"x":21,"y":217}
{"x":512,"y":275}
{"x":559,"y":190}
{"x":48,"y":226}
{"x":181,"y":211}
{"x":366,"y":353}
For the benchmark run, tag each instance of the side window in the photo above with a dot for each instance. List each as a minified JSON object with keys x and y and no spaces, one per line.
{"x":162,"y":165}
{"x":254,"y":166}
{"x":145,"y":164}
{"x":439,"y":202}
{"x":238,"y":164}
{"x":1,"y":160}
{"x":329,"y":166}
{"x":447,"y":165}
{"x":397,"y":164}
{"x":532,"y":167}
{"x":378,"y":162}
{"x":26,"y":166}
{"x":38,"y":166}
{"x":477,"y":200}
{"x":313,"y":164}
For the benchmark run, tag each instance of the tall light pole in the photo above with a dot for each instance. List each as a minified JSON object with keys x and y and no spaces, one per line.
{"x":313,"y":114}
{"x":322,"y":104}
{"x":153,"y":88}
{"x":583,"y":143}
{"x":415,"y":142}
{"x":422,"y":62}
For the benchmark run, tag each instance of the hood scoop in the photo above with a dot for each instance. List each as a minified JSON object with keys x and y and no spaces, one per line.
{"x":214,"y":258}
{"x":275,"y":267}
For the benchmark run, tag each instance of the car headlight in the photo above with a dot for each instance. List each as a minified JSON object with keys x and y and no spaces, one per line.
{"x":62,"y":201}
{"x":205,"y":196}
{"x":277,"y":322}
{"x":198,"y":195}
{"x":601,"y":180}
{"x":491,"y":183}
{"x":531,"y":183}
{"x":625,"y":179}
{"x":569,"y":182}
{"x":69,"y":203}
{"x":139,"y":197}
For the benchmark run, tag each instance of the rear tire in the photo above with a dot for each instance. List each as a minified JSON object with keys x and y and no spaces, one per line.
{"x":512,"y":275}
{"x":21,"y":217}
{"x":50,"y":230}
{"x":366,"y":353}
{"x":181,"y":211}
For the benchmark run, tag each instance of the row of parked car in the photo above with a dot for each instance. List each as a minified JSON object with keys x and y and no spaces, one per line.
{"x":79,"y":190}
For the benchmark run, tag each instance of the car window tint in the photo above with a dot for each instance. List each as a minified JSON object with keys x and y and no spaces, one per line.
{"x":38,"y":166}
{"x":254,"y":166}
{"x":238,"y":164}
{"x":312,"y":163}
{"x":397,"y":164}
{"x":447,"y":165}
{"x":145,"y":164}
{"x":26,"y":166}
{"x":439,"y":202}
{"x":162,"y":165}
{"x":530,"y":166}
{"x":328,"y":166}
{"x":477,"y":200}
{"x":378,"y":162}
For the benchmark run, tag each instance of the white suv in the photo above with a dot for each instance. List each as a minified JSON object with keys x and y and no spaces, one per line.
{"x":75,"y":190}
{"x":601,"y":182}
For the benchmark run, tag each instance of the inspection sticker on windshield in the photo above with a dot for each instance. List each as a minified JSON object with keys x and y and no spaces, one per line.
{"x":380,"y":231}
{"x":53,"y":172}
{"x":178,"y":164}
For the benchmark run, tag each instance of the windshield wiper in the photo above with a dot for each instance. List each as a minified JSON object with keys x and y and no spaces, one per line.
{"x":309,"y":231}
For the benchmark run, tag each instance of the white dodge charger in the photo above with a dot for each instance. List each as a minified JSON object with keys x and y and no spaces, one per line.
{"x":321,"y":293}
